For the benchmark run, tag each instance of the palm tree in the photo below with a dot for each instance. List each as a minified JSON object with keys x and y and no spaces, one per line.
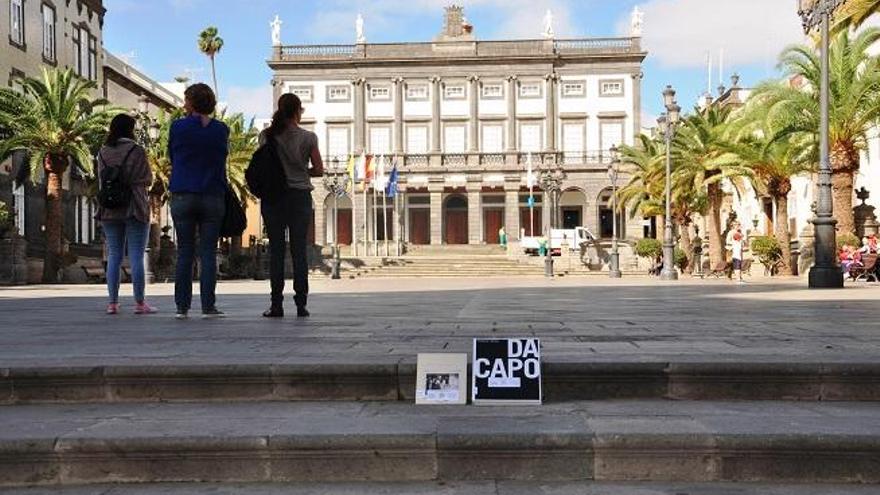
{"x":854,"y":13}
{"x":58,"y":121}
{"x":210,"y":44}
{"x":703,"y":162}
{"x":644,"y":192}
{"x":854,"y":107}
{"x":773,"y":161}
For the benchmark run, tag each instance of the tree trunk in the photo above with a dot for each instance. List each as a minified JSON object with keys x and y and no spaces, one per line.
{"x":659,"y":227}
{"x":155,"y":225}
{"x":214,"y":76}
{"x":844,"y":165}
{"x":54,"y":167}
{"x":783,"y":236}
{"x":687,"y":245}
{"x":716,"y":241}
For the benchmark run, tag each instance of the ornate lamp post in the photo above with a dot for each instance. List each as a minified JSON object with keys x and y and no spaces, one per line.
{"x":551,"y":183}
{"x":336,"y":183}
{"x":614,"y":264}
{"x":825,"y":274}
{"x":668,"y":123}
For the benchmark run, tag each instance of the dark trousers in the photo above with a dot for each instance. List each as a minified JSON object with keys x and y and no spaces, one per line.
{"x":292,"y":215}
{"x":203,"y":214}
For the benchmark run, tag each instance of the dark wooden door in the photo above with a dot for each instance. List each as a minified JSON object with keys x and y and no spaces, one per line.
{"x":571,"y":218}
{"x":343,"y":227}
{"x":492,"y":222}
{"x":456,"y":227}
{"x":420,"y":226}
{"x":525,"y":221}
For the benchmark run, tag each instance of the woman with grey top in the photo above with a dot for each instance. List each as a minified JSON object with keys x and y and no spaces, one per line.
{"x":296,"y":148}
{"x":129,"y":224}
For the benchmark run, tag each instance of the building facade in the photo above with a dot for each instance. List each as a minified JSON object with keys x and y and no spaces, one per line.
{"x":462,"y":118}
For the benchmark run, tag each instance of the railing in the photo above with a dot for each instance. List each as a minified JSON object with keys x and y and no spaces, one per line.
{"x":492,"y":159}
{"x":415,"y":160}
{"x":447,"y":49}
{"x":454,"y":160}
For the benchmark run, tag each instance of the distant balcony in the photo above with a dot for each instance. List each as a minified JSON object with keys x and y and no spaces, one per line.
{"x":454,"y":160}
{"x":453,"y":49}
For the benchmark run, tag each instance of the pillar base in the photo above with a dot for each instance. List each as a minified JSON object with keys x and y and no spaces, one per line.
{"x":614,"y":266}
{"x":669,"y":275}
{"x":825,"y":278}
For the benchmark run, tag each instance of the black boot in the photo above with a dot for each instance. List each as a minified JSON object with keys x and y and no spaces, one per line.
{"x":301,"y":310}
{"x":276,"y":311}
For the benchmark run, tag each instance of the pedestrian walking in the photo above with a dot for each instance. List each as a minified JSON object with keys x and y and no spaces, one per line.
{"x":290,"y":215}
{"x":737,"y":241}
{"x":123,"y":209}
{"x":198,"y":146}
{"x":502,"y":237}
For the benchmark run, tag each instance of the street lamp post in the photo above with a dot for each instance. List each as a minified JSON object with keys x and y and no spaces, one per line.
{"x":551,"y":183}
{"x":614,"y":264}
{"x":825,"y":273}
{"x":335,"y":184}
{"x":668,"y":123}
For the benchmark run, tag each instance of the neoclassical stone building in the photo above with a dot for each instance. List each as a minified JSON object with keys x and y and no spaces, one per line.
{"x":462,"y":118}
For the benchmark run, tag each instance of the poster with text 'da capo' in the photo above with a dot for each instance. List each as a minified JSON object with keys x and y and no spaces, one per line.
{"x":506,"y":371}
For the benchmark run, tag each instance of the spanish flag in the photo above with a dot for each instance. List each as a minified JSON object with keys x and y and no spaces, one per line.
{"x":351,"y":169}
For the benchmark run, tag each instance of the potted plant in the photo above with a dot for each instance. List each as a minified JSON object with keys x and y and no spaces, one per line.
{"x":768,"y":251}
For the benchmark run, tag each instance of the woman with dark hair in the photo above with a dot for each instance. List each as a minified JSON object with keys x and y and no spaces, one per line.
{"x":292,"y":212}
{"x":125,"y":219}
{"x":197,"y":145}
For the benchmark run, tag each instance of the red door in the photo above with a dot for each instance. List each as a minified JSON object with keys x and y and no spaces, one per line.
{"x":420,"y":226}
{"x":456,"y":227}
{"x":492,"y":222}
{"x":343,"y":227}
{"x":525,"y":221}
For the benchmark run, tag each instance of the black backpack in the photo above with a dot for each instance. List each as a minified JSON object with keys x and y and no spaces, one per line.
{"x":265,"y":174}
{"x":113,"y":191}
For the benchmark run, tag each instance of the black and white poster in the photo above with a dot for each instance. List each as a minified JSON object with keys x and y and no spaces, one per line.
{"x":506,"y":371}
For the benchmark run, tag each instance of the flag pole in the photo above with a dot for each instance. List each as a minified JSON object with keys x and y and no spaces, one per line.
{"x":353,"y":198}
{"x":385,"y":219}
{"x":531,"y":182}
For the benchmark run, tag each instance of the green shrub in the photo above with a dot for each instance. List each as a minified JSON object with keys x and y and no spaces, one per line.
{"x":5,"y":216}
{"x":681,"y":259}
{"x":767,"y":250}
{"x":649,"y":248}
{"x":849,"y":239}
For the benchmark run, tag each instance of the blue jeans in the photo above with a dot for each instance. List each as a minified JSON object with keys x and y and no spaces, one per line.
{"x":118,"y":233}
{"x":203,"y":214}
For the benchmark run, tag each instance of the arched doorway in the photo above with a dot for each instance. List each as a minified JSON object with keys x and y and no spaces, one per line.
{"x":571,"y":206}
{"x":606,"y":216}
{"x":455,"y":219}
{"x":343,"y":221}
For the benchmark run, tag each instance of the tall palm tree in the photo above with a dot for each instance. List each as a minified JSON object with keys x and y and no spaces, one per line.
{"x":774,"y":162}
{"x":210,"y":44}
{"x":58,"y":121}
{"x":853,"y":111}
{"x":644,"y":192}
{"x":854,"y":13}
{"x":703,"y":162}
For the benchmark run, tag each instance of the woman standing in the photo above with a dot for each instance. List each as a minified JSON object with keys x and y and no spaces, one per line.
{"x":123,"y":209}
{"x":198,"y":145}
{"x":291,"y":213}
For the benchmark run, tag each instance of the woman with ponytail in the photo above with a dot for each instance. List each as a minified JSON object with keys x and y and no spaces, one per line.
{"x":297,"y":148}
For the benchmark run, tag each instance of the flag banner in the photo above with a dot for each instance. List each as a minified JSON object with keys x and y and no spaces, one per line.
{"x":531,"y":201}
{"x":369,"y":169}
{"x":350,"y":169}
{"x":391,"y":189}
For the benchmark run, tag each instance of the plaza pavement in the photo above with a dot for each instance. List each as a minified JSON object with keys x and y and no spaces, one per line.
{"x":385,"y":321}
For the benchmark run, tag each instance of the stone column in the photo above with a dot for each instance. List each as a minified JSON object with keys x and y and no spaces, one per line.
{"x":360,"y":120}
{"x":474,"y":138}
{"x":637,"y":105}
{"x":511,"y":210}
{"x":436,"y":213}
{"x":475,"y":209}
{"x":398,"y":115}
{"x":550,"y":144}
{"x":435,"y":114}
{"x":511,"y":115}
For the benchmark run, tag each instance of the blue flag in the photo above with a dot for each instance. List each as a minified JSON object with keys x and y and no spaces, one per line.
{"x":531,"y":201}
{"x":391,"y":187}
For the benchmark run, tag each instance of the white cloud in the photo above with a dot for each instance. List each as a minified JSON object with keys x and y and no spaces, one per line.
{"x":678,"y":33}
{"x":251,"y":101}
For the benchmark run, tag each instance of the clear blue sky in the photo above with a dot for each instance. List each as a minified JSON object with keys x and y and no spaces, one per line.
{"x":159,"y":36}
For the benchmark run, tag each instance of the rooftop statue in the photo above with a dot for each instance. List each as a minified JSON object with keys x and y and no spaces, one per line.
{"x":276,"y":31}
{"x":638,"y":21}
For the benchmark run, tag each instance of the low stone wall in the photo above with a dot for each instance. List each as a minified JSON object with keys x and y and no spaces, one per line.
{"x":13,"y":260}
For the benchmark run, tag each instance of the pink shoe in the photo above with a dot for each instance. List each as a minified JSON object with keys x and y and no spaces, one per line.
{"x":113,"y":308}
{"x":143,"y":308}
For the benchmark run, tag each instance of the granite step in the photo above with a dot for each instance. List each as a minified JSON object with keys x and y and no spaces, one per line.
{"x":394,"y":380}
{"x":450,"y":488}
{"x":607,"y":441}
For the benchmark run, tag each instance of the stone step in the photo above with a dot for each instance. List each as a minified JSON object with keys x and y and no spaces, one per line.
{"x":616,"y":441}
{"x":395,"y":381}
{"x":451,"y":488}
